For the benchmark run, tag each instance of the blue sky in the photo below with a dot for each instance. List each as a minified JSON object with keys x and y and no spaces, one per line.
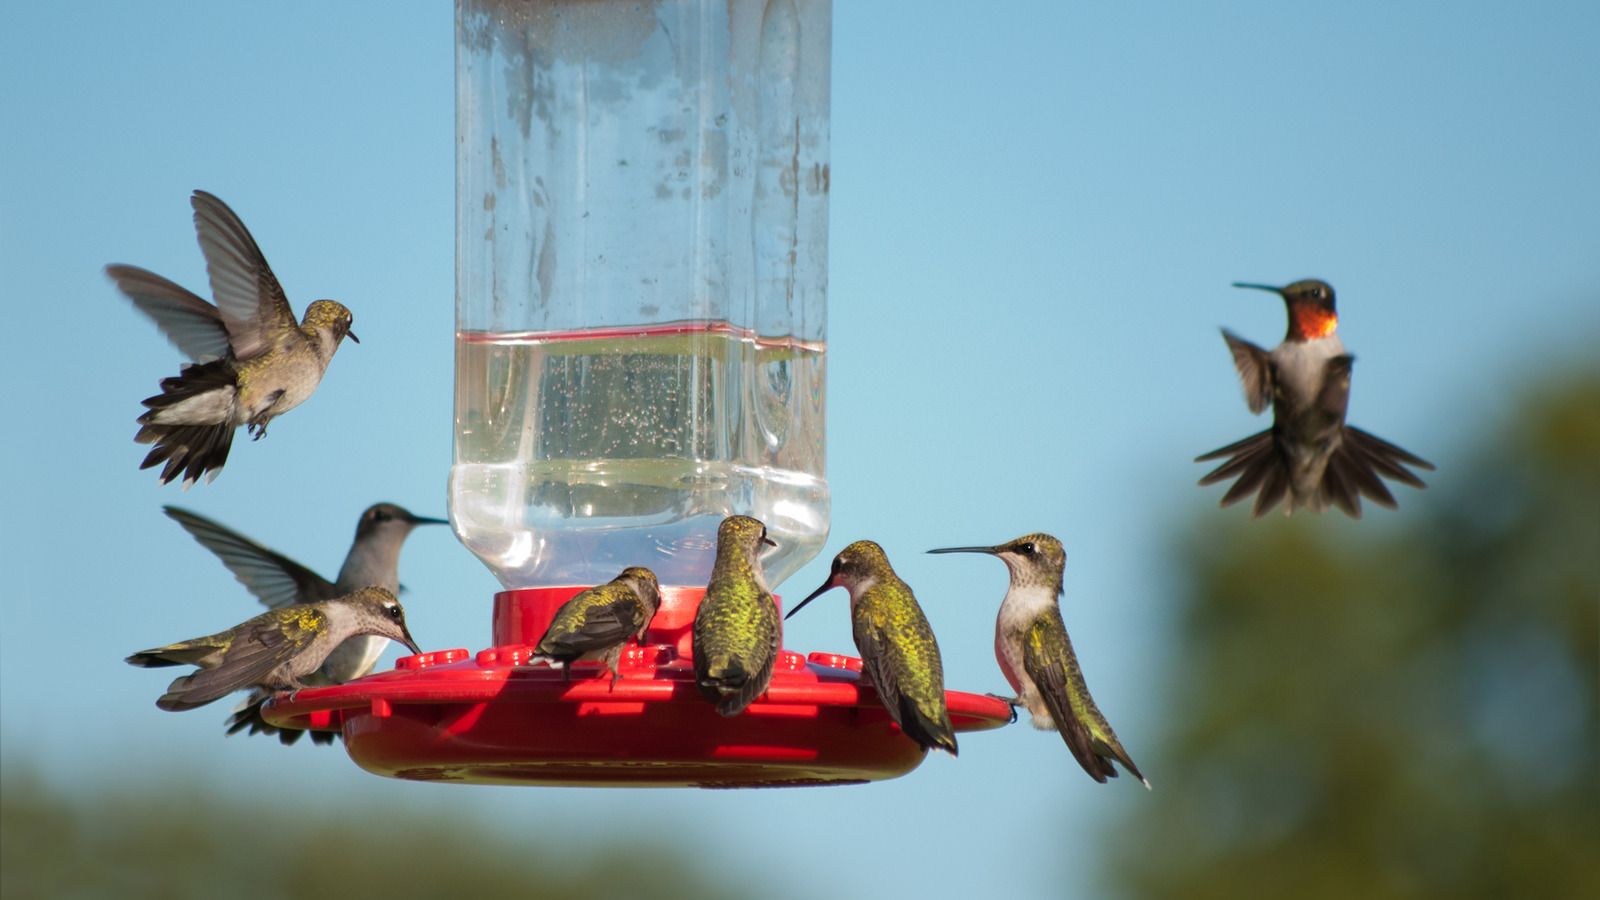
{"x":1035,"y":217}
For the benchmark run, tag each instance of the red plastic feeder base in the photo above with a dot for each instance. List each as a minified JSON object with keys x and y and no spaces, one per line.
{"x":493,"y":719}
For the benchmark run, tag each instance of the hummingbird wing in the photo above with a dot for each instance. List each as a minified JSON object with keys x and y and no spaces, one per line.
{"x":927,"y":723}
{"x":1255,"y":371}
{"x":1048,"y":659}
{"x":258,"y":647}
{"x":597,"y":622}
{"x":249,"y":298}
{"x":275,"y":579}
{"x":191,"y":324}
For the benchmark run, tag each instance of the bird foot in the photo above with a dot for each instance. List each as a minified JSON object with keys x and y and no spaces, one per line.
{"x":1012,"y":702}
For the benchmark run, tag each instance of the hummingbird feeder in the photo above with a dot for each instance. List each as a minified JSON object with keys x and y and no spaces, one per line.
{"x":641,"y":274}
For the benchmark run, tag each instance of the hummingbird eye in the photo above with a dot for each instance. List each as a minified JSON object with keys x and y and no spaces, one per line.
{"x":381,"y":516}
{"x":1027,"y":548}
{"x":394,"y":613}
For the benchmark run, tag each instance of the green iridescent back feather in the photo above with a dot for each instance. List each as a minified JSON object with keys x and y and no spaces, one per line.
{"x":737,"y":629}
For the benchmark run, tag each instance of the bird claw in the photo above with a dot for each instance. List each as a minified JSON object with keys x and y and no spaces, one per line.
{"x":1010,"y":702}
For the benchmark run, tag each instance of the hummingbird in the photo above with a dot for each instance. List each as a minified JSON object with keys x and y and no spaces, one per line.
{"x":251,"y":361}
{"x":1309,"y":454}
{"x":597,"y":622}
{"x":275,"y":649}
{"x":737,"y":631}
{"x":896,"y":643}
{"x":278,"y":582}
{"x":1035,"y":655}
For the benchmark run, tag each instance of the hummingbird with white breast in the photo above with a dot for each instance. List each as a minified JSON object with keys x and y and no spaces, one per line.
{"x":898,"y":650}
{"x":279,"y":582}
{"x":251,"y":360}
{"x":1036,"y":657}
{"x":596,"y":623}
{"x":737,"y":631}
{"x":275,"y":650}
{"x":1309,"y":455}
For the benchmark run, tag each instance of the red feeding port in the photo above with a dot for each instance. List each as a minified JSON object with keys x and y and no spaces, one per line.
{"x":491,"y":718}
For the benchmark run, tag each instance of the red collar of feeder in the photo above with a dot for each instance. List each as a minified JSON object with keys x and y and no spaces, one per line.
{"x":490,"y":718}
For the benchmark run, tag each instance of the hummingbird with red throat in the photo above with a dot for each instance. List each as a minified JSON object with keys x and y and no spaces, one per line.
{"x":1309,"y":456}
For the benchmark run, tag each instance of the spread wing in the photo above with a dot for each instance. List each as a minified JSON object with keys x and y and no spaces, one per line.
{"x":191,"y":324}
{"x":1048,"y":659}
{"x":262,"y":645}
{"x":248,"y":295}
{"x":275,"y":579}
{"x":1255,"y":371}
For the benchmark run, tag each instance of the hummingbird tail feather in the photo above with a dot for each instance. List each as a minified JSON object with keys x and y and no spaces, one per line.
{"x":1121,"y":756}
{"x":926,"y":730}
{"x":730,"y":686}
{"x":1274,"y":487}
{"x":185,"y":654}
{"x":1353,"y":471}
{"x":189,"y":421}
{"x":188,"y":450}
{"x":247,"y":715}
{"x":1259,"y":466}
{"x":1357,"y":467}
{"x":1080,"y":742}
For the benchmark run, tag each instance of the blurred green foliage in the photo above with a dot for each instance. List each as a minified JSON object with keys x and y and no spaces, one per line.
{"x":1392,"y":709}
{"x":186,"y":842}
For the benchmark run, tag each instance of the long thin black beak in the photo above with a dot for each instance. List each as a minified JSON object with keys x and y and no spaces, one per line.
{"x":415,"y":650}
{"x":768,"y":541}
{"x":826,"y":586}
{"x":424,"y":520}
{"x":988,"y":550}
{"x":352,"y":336}
{"x":1258,"y":287}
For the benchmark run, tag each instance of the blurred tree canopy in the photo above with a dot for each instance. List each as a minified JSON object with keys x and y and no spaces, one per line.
{"x":1399,"y":709}
{"x":184,"y":841}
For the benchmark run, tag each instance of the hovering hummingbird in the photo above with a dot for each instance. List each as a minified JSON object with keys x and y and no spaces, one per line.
{"x":896,"y":643}
{"x":275,"y":649}
{"x":278,"y":582}
{"x":251,"y":360}
{"x":596,"y":623}
{"x":1035,"y":654}
{"x":1309,"y":453}
{"x":737,"y":631}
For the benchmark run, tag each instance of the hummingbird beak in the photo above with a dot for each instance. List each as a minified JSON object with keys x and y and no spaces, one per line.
{"x":989,"y":550}
{"x":826,"y":586}
{"x":1258,"y":287}
{"x":424,"y":520}
{"x":768,"y":541}
{"x":411,"y":644}
{"x":352,"y":336}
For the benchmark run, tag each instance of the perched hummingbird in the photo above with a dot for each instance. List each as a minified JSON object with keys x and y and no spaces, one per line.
{"x":596,"y":623}
{"x":278,"y":581}
{"x":275,"y":649}
{"x":737,"y":631}
{"x":896,"y":643}
{"x":251,"y":360}
{"x":1309,"y":453}
{"x":1035,"y":654}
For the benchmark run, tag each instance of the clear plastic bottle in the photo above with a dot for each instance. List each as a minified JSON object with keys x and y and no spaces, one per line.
{"x":641,"y":283}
